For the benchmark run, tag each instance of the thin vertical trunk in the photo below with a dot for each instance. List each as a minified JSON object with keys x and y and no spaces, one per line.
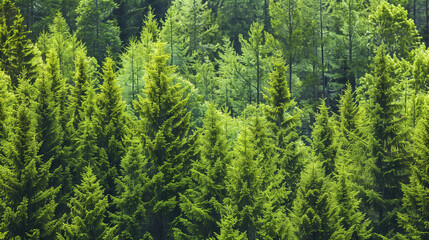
{"x":351,"y":73}
{"x":258,"y":79}
{"x":325,"y":83}
{"x":194,"y":43}
{"x":290,"y":49}
{"x":97,"y":30}
{"x":132,"y":75}
{"x":415,"y":12}
{"x":427,"y":20}
{"x":171,"y":41}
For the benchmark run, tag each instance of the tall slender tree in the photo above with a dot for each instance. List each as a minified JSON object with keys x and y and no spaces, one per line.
{"x":165,"y":121}
{"x":28,"y":203}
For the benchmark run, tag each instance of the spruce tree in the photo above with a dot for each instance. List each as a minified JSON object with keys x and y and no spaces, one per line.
{"x":131,"y":215}
{"x":324,"y":142}
{"x":352,"y":223}
{"x":284,"y":121}
{"x":79,"y":91}
{"x":200,"y":203}
{"x":165,"y":123}
{"x":112,"y":130}
{"x":244,"y":183}
{"x":6,"y":98}
{"x":88,"y":211}
{"x":16,"y":54}
{"x":28,"y":201}
{"x":414,"y":216}
{"x":387,"y":134}
{"x":87,"y":151}
{"x":313,"y":214}
{"x":228,"y":225}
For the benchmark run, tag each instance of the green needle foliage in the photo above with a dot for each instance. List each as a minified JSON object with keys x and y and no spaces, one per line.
{"x":200,"y":203}
{"x":16,"y":52}
{"x":88,"y":210}
{"x":131,"y":191}
{"x":111,"y":121}
{"x":415,"y":218}
{"x":324,"y":142}
{"x":165,"y":123}
{"x":28,"y":203}
{"x":313,"y":213}
{"x":388,"y":149}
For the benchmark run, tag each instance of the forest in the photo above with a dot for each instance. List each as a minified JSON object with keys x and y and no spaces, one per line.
{"x":214,"y":119}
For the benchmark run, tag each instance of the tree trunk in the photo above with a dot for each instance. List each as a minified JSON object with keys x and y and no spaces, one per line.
{"x":324,"y":81}
{"x":290,"y":50}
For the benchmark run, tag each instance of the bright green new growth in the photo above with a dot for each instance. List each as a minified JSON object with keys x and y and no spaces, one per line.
{"x":88,"y":210}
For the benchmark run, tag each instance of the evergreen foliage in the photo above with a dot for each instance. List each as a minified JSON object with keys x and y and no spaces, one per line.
{"x":284,"y":121}
{"x":17,"y":53}
{"x":388,"y":148}
{"x":28,"y":203}
{"x":202,"y":127}
{"x":414,"y":217}
{"x":131,"y":186}
{"x":313,"y":214}
{"x":324,"y":142}
{"x":165,"y":121}
{"x":88,"y":211}
{"x":111,"y":121}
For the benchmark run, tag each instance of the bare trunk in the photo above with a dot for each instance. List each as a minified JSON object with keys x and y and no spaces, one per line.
{"x":325,"y":82}
{"x":290,"y":50}
{"x":258,"y":79}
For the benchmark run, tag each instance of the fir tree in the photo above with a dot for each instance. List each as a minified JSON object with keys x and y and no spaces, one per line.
{"x":388,"y":148}
{"x":313,"y":214}
{"x":200,"y":203}
{"x":79,"y":91}
{"x":16,"y":54}
{"x":165,"y":122}
{"x":244,"y":183}
{"x":112,"y":131}
{"x":324,"y":142}
{"x":28,"y":201}
{"x":87,"y":152}
{"x":88,"y":211}
{"x":228,"y":224}
{"x":352,"y":223}
{"x":414,"y":217}
{"x":5,"y":112}
{"x":284,"y":121}
{"x":131,"y":216}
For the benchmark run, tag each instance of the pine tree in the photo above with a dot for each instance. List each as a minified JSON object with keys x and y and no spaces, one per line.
{"x":96,"y":29}
{"x":388,"y":148}
{"x":352,"y":223}
{"x":87,"y":151}
{"x":284,"y":120}
{"x":131,"y":215}
{"x":28,"y":201}
{"x":112,"y":130}
{"x":313,"y":214}
{"x":256,"y":51}
{"x":201,"y":201}
{"x":16,"y":54}
{"x":6,"y":98}
{"x":414,"y":217}
{"x":88,"y":211}
{"x":244,"y":183}
{"x":228,"y":225}
{"x":79,"y":91}
{"x":324,"y":142}
{"x":165,"y":122}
